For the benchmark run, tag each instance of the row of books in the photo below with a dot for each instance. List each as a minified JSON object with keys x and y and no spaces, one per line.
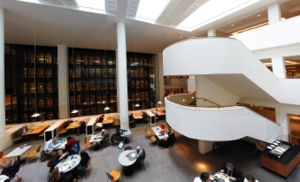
{"x":42,"y":87}
{"x":29,"y":102}
{"x":92,"y":86}
{"x":93,"y":72}
{"x":41,"y":58}
{"x":93,"y":99}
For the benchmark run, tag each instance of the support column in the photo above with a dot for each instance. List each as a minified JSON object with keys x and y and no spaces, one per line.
{"x":122,"y":75}
{"x":2,"y":74}
{"x":274,"y":13}
{"x":204,"y":146}
{"x":278,"y":67}
{"x":211,"y":33}
{"x":283,"y":120}
{"x":63,"y":82}
{"x":159,"y":78}
{"x":191,"y":84}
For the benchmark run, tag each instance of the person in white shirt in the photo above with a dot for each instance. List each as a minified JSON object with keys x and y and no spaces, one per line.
{"x":204,"y":177}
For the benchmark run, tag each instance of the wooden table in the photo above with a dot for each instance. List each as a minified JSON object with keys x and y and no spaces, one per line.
{"x":36,"y":130}
{"x":161,"y":113}
{"x":157,"y":130}
{"x":138,"y":115}
{"x":73,"y":125}
{"x":108,"y":120}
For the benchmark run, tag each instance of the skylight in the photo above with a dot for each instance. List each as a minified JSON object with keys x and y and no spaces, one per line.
{"x":212,"y":11}
{"x":30,"y":1}
{"x":97,"y":6}
{"x":150,"y":10}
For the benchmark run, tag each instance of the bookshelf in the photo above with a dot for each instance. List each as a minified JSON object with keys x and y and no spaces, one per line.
{"x":19,"y":83}
{"x":141,"y":89}
{"x":93,"y":76}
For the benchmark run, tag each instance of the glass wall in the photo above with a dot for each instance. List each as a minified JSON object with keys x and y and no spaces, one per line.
{"x":21,"y":92}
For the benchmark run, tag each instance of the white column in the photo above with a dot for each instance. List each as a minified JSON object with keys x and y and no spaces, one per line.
{"x":205,"y":146}
{"x":122,"y":75}
{"x":274,"y":13}
{"x":191,"y":84}
{"x":63,"y":82}
{"x":159,"y":79}
{"x":283,"y":120}
{"x":278,"y":67}
{"x":211,"y":33}
{"x":3,"y":144}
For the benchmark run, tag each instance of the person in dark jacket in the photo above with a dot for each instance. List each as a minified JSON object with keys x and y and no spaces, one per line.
{"x":57,"y":158}
{"x":234,"y":173}
{"x":140,"y":155}
{"x":10,"y":169}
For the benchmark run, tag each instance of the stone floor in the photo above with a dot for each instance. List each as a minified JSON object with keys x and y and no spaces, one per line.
{"x":178,"y":163}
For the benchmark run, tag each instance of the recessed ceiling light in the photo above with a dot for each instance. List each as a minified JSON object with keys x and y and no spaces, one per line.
{"x":232,"y":25}
{"x":30,"y":1}
{"x":282,"y":18}
{"x":97,"y":6}
{"x":150,"y":10}
{"x":213,"y":10}
{"x":258,"y":15}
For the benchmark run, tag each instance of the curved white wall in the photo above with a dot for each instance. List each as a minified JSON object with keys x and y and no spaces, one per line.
{"x":220,"y":124}
{"x":213,"y":56}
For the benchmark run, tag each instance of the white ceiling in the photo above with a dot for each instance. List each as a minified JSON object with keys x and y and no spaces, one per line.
{"x":56,"y":24}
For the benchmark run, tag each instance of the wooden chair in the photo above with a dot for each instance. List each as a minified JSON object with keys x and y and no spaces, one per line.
{"x":153,"y":139}
{"x":33,"y":154}
{"x":2,"y":159}
{"x":127,"y":148}
{"x":148,"y":133}
{"x":114,"y":175}
{"x":87,"y":143}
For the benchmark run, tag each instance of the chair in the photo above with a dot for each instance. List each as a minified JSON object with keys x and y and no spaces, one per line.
{"x":114,"y":175}
{"x":153,"y":139}
{"x":148,"y":133}
{"x":2,"y":159}
{"x":33,"y":154}
{"x":87,"y":143}
{"x":127,"y":148}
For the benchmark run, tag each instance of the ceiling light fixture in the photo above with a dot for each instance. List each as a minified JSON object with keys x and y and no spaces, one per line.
{"x":213,"y":10}
{"x":150,"y":10}
{"x":96,"y":6}
{"x":30,"y":1}
{"x":258,"y":15}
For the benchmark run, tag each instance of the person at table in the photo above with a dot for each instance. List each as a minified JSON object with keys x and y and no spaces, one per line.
{"x":55,"y":176}
{"x":250,"y":178}
{"x":234,"y":173}
{"x":140,"y":155}
{"x":117,"y":136}
{"x":57,"y":158}
{"x":10,"y":168}
{"x":70,"y":143}
{"x":155,"y":112}
{"x":204,"y":177}
{"x":84,"y":162}
{"x":49,"y":146}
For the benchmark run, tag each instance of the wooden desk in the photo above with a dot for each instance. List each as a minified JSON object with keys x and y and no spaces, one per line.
{"x":36,"y":130}
{"x":73,"y":125}
{"x":283,"y":166}
{"x":161,"y":113}
{"x":108,"y":120}
{"x":138,"y":115}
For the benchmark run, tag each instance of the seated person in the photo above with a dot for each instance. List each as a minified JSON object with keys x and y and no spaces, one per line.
{"x":155,"y":112}
{"x":10,"y":169}
{"x":55,"y":176}
{"x":234,"y":173}
{"x":85,"y":161}
{"x":100,"y":119}
{"x":250,"y":178}
{"x":117,"y":136}
{"x":70,"y":143}
{"x":140,"y":154}
{"x":204,"y":177}
{"x":76,"y":148}
{"x":57,"y":158}
{"x":49,"y":146}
